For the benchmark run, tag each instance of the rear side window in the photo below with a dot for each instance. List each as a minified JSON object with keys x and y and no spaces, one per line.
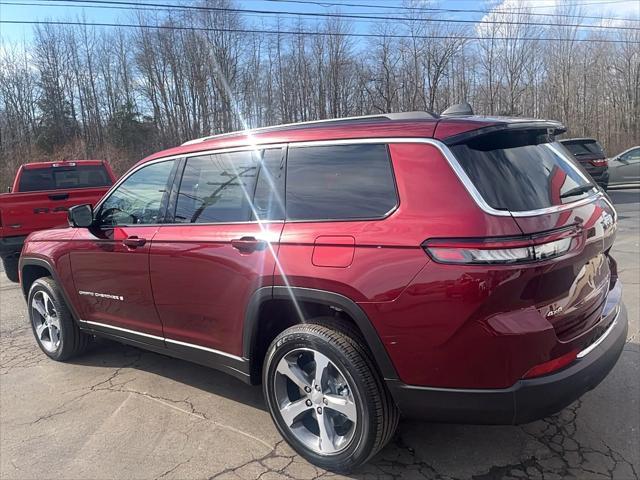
{"x":515,"y":172}
{"x":231,"y":187}
{"x":57,"y":178}
{"x":584,"y":148}
{"x":339,"y":182}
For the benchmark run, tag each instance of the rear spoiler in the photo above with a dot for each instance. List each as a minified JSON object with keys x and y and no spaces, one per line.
{"x":549,"y":128}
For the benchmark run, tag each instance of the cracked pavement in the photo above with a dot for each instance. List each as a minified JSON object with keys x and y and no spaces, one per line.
{"x":119,"y":412}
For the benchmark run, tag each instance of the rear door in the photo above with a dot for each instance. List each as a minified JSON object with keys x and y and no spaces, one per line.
{"x":227,"y":216}
{"x":549,"y":197}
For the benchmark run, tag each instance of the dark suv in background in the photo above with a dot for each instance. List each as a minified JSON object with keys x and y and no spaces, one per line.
{"x":451,"y":268}
{"x":591,"y":156}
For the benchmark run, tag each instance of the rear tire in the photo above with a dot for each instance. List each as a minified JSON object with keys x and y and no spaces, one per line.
{"x":53,"y":326}
{"x":336,"y":419}
{"x":10,"y":265}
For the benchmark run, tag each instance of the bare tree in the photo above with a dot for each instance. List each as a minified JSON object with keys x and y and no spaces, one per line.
{"x":119,"y":93}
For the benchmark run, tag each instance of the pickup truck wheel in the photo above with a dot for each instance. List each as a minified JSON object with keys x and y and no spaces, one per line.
{"x":56,"y":332}
{"x":325,"y":395}
{"x":10,"y":265}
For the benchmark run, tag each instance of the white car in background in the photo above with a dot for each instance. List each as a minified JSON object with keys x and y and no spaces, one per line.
{"x":624,"y":169}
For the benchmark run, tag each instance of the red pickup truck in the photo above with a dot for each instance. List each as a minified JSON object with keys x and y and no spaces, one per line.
{"x":40,"y":197}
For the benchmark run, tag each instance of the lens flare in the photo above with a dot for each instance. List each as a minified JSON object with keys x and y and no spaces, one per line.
{"x":263,"y":224}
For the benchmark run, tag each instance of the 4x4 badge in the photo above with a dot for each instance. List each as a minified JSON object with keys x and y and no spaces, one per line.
{"x":553,"y":312}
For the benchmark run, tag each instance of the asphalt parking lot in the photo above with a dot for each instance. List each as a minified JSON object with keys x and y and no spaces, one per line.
{"x":119,"y":412}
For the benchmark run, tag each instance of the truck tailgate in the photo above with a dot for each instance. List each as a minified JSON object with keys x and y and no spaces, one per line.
{"x":23,"y":213}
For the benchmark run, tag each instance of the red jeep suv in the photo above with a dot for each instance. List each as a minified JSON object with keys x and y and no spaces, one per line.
{"x":451,"y":268}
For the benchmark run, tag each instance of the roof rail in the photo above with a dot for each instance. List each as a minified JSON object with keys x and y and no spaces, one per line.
{"x":383,"y":116}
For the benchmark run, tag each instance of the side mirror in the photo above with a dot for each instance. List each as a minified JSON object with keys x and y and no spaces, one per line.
{"x":9,"y":189}
{"x":80,"y":216}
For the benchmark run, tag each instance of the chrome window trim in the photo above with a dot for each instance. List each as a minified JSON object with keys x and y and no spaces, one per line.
{"x":557,"y":208}
{"x":155,"y":337}
{"x":570,"y":161}
{"x":457,"y":168}
{"x":613,"y":209}
{"x":180,"y":156}
{"x":594,"y":345}
{"x":444,"y":150}
{"x":473,"y":191}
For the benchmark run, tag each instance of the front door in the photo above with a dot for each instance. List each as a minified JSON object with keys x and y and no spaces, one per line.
{"x":110,"y":261}
{"x":220,"y":248}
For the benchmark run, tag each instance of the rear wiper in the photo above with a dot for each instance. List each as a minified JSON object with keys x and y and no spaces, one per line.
{"x":577,"y":191}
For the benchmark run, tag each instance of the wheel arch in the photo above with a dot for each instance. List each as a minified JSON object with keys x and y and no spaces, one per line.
{"x":32,"y":268}
{"x":293,"y":296}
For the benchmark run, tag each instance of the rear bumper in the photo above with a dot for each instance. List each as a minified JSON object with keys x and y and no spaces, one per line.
{"x":527,"y":400}
{"x":10,"y":246}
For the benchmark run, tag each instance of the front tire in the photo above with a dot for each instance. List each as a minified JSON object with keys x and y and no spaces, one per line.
{"x":325,"y":395}
{"x":53,"y":326}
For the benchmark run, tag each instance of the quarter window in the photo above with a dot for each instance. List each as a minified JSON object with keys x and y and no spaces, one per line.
{"x":339,"y":182}
{"x":231,"y":187}
{"x":139,"y":199}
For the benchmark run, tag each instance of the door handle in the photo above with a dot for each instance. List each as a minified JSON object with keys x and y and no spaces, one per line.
{"x":134,"y":241}
{"x":248,"y":244}
{"x":59,"y":196}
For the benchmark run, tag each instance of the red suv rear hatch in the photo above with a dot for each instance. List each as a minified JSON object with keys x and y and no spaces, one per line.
{"x":567,"y":224}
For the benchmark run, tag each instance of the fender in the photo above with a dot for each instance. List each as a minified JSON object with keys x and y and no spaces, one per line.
{"x":331,"y":299}
{"x":41,"y":262}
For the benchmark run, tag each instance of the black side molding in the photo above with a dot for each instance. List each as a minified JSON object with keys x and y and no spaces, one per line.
{"x":323,"y":297}
{"x":238,"y":368}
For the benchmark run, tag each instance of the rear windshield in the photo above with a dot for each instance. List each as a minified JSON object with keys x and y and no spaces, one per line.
{"x":584,"y":148}
{"x":56,"y":178}
{"x":519,"y":171}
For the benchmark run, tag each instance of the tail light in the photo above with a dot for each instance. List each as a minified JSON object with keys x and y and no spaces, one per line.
{"x":552,"y":365}
{"x":492,"y":251}
{"x":601,"y":162}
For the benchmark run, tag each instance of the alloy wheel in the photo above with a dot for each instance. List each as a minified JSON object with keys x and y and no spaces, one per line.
{"x":315,"y":401}
{"x":46,"y":322}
